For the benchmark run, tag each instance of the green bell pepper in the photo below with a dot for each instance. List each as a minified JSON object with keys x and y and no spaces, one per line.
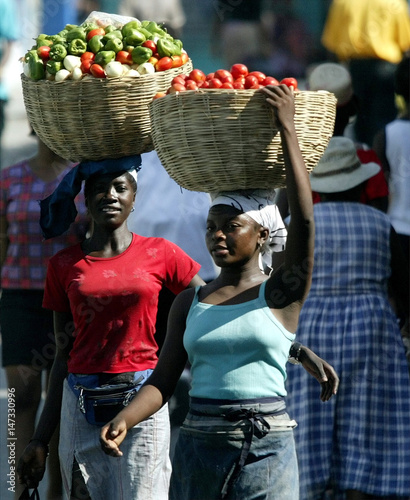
{"x":113,"y":34}
{"x":35,"y":65}
{"x":141,"y":54}
{"x":146,"y":33}
{"x":104,"y":57}
{"x":89,"y":26}
{"x":69,"y":27}
{"x":57,"y":52}
{"x":77,"y":47}
{"x":76,"y":33}
{"x":95,"y":44}
{"x":167,"y":48}
{"x":40,"y":42}
{"x":53,"y":66}
{"x":154,"y":28}
{"x":114,"y":44}
{"x":129,"y":27}
{"x":57,"y":39}
{"x":135,"y":38}
{"x":110,"y":28}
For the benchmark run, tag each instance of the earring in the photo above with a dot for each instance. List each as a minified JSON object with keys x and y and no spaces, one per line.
{"x":132,"y":209}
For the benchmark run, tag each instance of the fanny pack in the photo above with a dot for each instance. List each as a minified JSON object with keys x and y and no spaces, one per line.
{"x":101,"y":404}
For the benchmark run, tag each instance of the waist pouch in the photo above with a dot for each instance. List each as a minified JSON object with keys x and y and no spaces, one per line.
{"x":101,"y":404}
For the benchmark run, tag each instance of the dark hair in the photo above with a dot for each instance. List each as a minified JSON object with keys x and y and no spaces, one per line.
{"x":89,"y":182}
{"x":402,"y":78}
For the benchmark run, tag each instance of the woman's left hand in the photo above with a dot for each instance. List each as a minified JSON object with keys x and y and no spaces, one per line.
{"x":322,"y":371}
{"x":281,"y":98}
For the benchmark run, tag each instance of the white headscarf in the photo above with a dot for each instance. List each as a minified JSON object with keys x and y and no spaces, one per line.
{"x":259,"y":205}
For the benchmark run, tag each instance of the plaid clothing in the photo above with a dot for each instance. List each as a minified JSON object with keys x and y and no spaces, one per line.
{"x":360,"y":439}
{"x":27,"y":254}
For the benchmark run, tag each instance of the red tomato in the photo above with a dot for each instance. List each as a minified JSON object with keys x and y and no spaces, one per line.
{"x":96,"y":31}
{"x":176,"y":87}
{"x":158,"y":95}
{"x":238,"y":70}
{"x":197,"y":75}
{"x":124,"y":57}
{"x":256,"y":86}
{"x":191,"y":85}
{"x":184,"y":57}
{"x":150,"y":45}
{"x":163,"y":64}
{"x":250,"y":80}
{"x":227,"y":85}
{"x":153,"y":60}
{"x":224,"y":75}
{"x":86,"y":65}
{"x":237,"y":84}
{"x":203,"y":85}
{"x":269,"y":80}
{"x":214,"y":83}
{"x":290,"y":82}
{"x":87,"y":56}
{"x":176,"y":61}
{"x":97,"y":71}
{"x":44,"y":52}
{"x":178,"y":79}
{"x":209,"y":76}
{"x":259,"y":75}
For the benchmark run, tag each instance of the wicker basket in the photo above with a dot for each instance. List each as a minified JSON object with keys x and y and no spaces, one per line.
{"x":210,"y":140}
{"x":93,"y":119}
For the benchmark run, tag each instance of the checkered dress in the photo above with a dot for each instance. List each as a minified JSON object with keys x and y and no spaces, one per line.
{"x":360,"y":439}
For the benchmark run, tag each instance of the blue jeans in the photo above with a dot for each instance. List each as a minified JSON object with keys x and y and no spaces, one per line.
{"x":208,"y":447}
{"x":142,"y":473}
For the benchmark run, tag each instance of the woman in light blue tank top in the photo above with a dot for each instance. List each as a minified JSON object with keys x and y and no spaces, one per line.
{"x":237,"y":333}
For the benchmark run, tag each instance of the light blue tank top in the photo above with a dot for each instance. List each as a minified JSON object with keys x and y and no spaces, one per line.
{"x":236,"y":351}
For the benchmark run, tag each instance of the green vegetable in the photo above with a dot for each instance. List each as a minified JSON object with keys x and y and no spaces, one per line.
{"x":114,"y":44}
{"x":154,"y":28}
{"x":76,"y":33}
{"x":104,"y":57}
{"x":43,"y":41}
{"x":35,"y":65}
{"x":89,"y":26}
{"x":167,"y":48}
{"x":63,"y":33}
{"x":53,"y":66}
{"x":110,"y":28}
{"x":69,"y":27}
{"x":141,"y":54}
{"x":113,"y":34}
{"x":77,"y":47}
{"x":178,"y":44}
{"x":95,"y":44}
{"x":57,"y":39}
{"x":146,"y":33}
{"x":57,"y":52}
{"x":135,"y":37}
{"x":128,"y":27}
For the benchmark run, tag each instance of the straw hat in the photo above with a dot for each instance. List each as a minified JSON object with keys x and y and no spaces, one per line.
{"x":334,"y":78}
{"x":340,"y":169}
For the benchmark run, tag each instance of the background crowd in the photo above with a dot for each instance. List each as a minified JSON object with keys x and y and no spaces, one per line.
{"x":281,"y":38}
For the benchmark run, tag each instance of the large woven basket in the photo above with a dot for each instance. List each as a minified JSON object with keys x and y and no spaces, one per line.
{"x":211,"y":140}
{"x":93,"y":119}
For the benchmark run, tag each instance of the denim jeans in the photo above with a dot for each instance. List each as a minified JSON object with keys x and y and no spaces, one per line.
{"x":142,"y":473}
{"x":208,"y":447}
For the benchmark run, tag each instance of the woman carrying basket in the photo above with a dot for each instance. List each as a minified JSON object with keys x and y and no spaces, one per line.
{"x":104,"y":295}
{"x":237,"y":332}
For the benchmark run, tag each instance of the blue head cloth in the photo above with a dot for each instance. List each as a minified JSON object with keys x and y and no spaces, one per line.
{"x":58,"y":210}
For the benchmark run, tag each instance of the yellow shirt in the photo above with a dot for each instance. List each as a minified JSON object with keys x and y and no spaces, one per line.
{"x":358,"y":29}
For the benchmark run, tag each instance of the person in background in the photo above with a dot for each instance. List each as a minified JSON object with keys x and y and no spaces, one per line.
{"x":358,"y":445}
{"x":8,"y":35}
{"x":169,"y":12}
{"x":393,"y":146}
{"x":371,"y":36}
{"x":104,"y":294}
{"x":236,"y":331}
{"x":27,"y":336}
{"x":335,"y":78}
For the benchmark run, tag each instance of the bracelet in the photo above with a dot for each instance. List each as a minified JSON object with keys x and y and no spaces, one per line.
{"x":45,"y":445}
{"x":294,"y":353}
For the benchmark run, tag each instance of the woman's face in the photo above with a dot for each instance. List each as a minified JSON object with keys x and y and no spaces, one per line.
{"x":110,"y":199}
{"x":232,"y":237}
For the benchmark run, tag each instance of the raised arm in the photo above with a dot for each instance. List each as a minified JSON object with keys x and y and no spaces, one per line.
{"x":294,"y":278}
{"x":161,"y":384}
{"x":31,"y":466}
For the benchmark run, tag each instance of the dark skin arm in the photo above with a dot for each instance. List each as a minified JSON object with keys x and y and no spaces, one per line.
{"x":31,"y":466}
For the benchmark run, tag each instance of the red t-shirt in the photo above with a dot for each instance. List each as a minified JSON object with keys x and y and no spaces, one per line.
{"x":114,"y":301}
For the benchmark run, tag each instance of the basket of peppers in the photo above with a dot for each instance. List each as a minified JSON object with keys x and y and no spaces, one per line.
{"x":87,"y":89}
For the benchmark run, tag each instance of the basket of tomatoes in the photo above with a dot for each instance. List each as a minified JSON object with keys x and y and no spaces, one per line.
{"x":88,"y":88}
{"x":216,"y":131}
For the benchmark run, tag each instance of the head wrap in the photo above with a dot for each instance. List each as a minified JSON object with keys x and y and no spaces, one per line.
{"x":58,"y":210}
{"x":259,"y":205}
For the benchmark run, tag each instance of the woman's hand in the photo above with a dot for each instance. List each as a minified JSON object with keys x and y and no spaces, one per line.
{"x":32,"y":464}
{"x":322,"y":371}
{"x":112,"y":435}
{"x":281,"y":98}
